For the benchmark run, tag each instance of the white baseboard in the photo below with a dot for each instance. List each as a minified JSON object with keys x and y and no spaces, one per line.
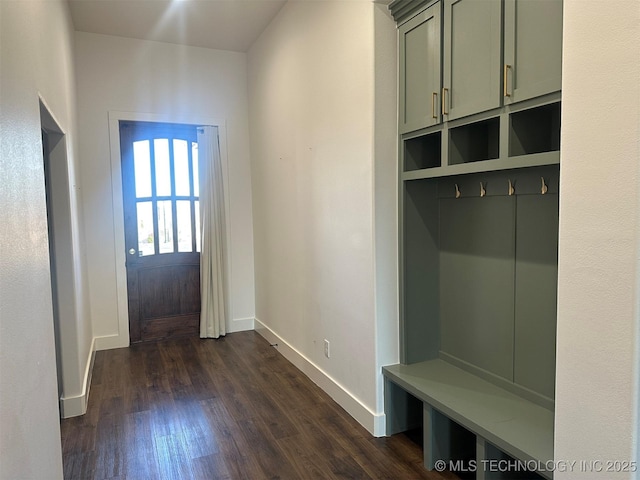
{"x":379,"y":425}
{"x":77,"y":405}
{"x":107,"y":342}
{"x":241,"y":324}
{"x":374,"y":423}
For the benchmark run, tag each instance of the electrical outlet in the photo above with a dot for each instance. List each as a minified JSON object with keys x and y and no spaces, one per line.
{"x":327,"y":352}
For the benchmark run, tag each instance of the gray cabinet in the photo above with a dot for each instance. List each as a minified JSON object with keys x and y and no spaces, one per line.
{"x":472,"y":49}
{"x":462,"y":57}
{"x":479,"y":135}
{"x":419,"y":41}
{"x":532,"y":49}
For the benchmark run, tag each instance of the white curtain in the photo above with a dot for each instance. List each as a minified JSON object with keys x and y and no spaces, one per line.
{"x":213,"y":258}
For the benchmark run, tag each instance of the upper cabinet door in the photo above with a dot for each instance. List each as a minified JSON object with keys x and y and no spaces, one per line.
{"x":420,"y":70}
{"x":472,"y":57}
{"x":532,"y":49}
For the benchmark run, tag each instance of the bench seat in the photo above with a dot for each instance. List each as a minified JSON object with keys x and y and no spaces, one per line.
{"x":516,"y":426}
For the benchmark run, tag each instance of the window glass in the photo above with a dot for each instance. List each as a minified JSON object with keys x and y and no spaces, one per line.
{"x":165,"y":227}
{"x":181,"y":167}
{"x":183,"y":214}
{"x":196,"y":177}
{"x":196,"y":207}
{"x":163,"y":169}
{"x":142,"y":166}
{"x":145,"y":229}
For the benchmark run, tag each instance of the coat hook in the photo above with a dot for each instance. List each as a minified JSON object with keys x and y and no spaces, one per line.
{"x":544,"y":188}
{"x":457,"y":191}
{"x":511,"y":189}
{"x":483,"y":192}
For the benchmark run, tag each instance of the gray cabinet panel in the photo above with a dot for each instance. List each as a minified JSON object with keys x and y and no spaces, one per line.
{"x":420,"y":68}
{"x":477,"y":262}
{"x":536,"y":285}
{"x":420,"y":330}
{"x":472,"y":56}
{"x":532,"y":48}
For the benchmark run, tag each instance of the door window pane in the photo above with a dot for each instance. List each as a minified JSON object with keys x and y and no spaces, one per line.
{"x":183,"y":213}
{"x":145,"y":229}
{"x":166,"y":168}
{"x":196,"y":207}
{"x":181,"y":167}
{"x":163,"y":169}
{"x":142,"y":166}
{"x":165,"y":227}
{"x":196,"y":178}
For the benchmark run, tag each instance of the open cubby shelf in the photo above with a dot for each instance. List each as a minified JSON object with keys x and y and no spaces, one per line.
{"x":535,"y":130}
{"x":475,"y":142}
{"x":532,"y":139}
{"x":423,"y":152}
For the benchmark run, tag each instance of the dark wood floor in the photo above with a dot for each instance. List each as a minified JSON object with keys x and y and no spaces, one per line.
{"x":231,"y":408}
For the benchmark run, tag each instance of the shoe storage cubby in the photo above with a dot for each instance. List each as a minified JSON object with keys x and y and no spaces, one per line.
{"x":498,"y":465}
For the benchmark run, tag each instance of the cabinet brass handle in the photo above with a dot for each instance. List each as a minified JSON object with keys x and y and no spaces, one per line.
{"x":444,"y":101}
{"x":506,"y":70}
{"x":434,"y":100}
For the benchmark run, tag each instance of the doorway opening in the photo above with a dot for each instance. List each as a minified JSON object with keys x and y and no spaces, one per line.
{"x":56,"y":177}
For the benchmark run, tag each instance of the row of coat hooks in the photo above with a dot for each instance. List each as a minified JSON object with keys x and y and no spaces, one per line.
{"x":511,"y":188}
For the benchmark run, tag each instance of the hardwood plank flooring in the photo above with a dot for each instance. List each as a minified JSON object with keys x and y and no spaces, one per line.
{"x":231,"y":408}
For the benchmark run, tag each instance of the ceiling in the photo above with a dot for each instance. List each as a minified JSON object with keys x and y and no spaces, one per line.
{"x":219,"y":24}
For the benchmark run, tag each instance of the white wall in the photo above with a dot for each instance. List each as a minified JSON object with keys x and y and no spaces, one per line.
{"x":36,"y":58}
{"x":597,"y":346}
{"x":176,"y":82}
{"x":312,"y":91}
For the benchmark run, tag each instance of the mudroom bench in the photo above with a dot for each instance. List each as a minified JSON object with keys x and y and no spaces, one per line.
{"x":469,"y":422}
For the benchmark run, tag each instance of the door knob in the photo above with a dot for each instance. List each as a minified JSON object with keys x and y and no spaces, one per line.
{"x":132,"y":251}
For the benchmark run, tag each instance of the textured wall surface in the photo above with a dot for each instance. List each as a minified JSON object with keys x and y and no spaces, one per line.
{"x":35,"y":59}
{"x":597,"y":346}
